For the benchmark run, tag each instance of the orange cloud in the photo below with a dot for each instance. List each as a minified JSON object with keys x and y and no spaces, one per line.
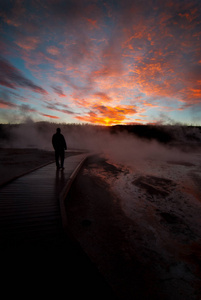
{"x":28,"y":43}
{"x":15,"y":13}
{"x":12,"y":22}
{"x":49,"y":116}
{"x":191,"y":97}
{"x":196,"y":93}
{"x":80,"y":102}
{"x":5,"y":105}
{"x":92,"y":22}
{"x":53,"y":50}
{"x":107,"y":115}
{"x":190,"y":15}
{"x":103,"y":97}
{"x":149,"y":105}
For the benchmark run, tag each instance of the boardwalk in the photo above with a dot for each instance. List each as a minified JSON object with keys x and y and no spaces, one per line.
{"x":37,"y":257}
{"x":30,"y":206}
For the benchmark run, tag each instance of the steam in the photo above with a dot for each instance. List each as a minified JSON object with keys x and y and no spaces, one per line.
{"x":122,"y":147}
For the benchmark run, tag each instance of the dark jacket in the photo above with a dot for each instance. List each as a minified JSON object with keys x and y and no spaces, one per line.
{"x":58,"y":142}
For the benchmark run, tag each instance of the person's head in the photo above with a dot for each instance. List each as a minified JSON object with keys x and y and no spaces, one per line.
{"x":58,"y":130}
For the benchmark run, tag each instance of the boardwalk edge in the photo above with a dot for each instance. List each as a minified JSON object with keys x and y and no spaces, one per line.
{"x":66,"y":189}
{"x":25,"y":173}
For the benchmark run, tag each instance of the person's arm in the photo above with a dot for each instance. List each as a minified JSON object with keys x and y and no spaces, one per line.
{"x":53,"y":142}
{"x":65,"y":145}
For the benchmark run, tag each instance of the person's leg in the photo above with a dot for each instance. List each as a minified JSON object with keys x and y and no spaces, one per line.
{"x":57,"y":158}
{"x":62,"y":156}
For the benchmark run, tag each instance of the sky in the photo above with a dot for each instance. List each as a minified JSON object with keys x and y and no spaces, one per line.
{"x":100,"y":62}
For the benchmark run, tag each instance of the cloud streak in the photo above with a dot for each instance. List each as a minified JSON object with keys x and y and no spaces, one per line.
{"x":23,"y":110}
{"x":13,"y":78}
{"x":58,"y":90}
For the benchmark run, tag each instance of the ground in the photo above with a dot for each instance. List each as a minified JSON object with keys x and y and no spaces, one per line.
{"x":140,"y":225}
{"x":142,"y":230}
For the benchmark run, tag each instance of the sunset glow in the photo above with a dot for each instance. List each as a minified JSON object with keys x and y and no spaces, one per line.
{"x":100,"y":62}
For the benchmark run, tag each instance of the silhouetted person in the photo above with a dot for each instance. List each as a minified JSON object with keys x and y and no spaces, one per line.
{"x":59,"y":144}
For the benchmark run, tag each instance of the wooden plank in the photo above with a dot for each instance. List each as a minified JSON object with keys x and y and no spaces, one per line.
{"x":29,"y":206}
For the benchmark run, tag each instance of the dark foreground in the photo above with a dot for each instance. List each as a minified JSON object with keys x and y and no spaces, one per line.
{"x":149,"y":249}
{"x":96,"y":220}
{"x":145,"y":248}
{"x":56,"y":272}
{"x":38,"y":258}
